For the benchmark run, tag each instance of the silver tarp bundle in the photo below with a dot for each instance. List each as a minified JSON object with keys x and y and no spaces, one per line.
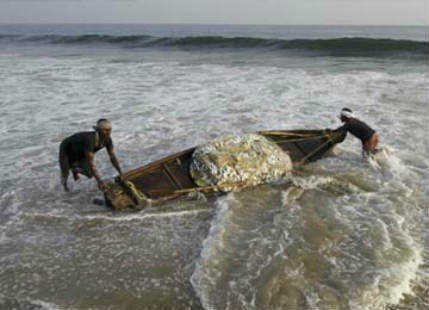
{"x":239,"y":161}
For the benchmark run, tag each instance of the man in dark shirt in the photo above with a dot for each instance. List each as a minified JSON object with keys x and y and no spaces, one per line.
{"x":360,"y":130}
{"x":77,"y":153}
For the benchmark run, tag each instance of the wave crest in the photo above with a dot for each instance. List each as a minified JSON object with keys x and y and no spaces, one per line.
{"x":354,"y":46}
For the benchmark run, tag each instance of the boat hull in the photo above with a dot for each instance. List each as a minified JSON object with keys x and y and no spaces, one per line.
{"x":169,"y":177}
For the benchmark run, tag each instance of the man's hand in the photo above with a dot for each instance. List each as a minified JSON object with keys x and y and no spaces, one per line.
{"x":120,"y":177}
{"x":101,"y":186}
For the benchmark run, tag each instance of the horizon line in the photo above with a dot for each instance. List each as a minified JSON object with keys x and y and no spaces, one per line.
{"x":217,"y":24}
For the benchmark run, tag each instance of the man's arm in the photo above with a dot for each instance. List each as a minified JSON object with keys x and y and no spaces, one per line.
{"x":94,"y":171}
{"x":342,"y":127}
{"x":114,"y":159}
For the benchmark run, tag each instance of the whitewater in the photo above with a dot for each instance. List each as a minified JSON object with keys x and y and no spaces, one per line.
{"x":346,"y":233}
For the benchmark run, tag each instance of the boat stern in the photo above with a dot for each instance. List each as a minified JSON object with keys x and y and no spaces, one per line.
{"x":120,"y":196}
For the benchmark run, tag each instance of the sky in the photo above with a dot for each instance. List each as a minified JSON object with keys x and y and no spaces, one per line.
{"x":271,"y":12}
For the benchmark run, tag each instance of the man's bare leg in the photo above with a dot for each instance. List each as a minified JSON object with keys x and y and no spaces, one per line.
{"x":64,"y":182}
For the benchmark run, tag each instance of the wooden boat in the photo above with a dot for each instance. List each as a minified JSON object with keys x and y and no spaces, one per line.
{"x":169,"y":177}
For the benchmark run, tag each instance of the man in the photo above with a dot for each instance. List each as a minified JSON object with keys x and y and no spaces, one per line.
{"x":77,"y":153}
{"x":360,"y":130}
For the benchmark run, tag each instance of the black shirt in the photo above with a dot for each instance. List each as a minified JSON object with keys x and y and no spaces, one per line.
{"x":359,"y":129}
{"x":77,"y":146}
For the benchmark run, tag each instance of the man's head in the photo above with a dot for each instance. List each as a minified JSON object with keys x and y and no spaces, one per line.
{"x":346,"y":114}
{"x":103,"y":127}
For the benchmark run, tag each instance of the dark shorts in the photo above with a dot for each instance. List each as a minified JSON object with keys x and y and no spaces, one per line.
{"x":82,"y":167}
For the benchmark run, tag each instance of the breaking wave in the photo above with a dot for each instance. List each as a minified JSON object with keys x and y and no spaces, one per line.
{"x":355,"y":46}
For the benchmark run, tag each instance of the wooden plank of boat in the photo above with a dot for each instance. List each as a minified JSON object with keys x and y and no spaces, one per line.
{"x":169,"y":177}
{"x":305,"y":146}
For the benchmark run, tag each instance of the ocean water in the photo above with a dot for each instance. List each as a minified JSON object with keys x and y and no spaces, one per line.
{"x":344,"y":234}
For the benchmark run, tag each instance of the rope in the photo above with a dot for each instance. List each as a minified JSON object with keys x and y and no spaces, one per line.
{"x":136,"y":195}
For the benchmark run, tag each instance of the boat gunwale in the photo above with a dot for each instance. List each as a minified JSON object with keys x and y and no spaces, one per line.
{"x":296,"y":136}
{"x":156,"y":164}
